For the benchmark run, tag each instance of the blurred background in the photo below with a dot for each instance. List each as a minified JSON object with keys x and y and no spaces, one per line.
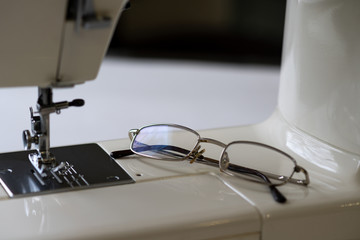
{"x":200,"y":63}
{"x":246,"y":31}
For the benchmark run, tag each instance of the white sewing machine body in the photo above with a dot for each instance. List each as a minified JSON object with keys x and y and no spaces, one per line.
{"x":317,"y":122}
{"x":69,"y":53}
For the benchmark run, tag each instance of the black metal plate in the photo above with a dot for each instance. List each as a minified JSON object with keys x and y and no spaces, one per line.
{"x":98,"y":168}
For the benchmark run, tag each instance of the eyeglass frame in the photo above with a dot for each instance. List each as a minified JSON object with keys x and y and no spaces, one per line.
{"x":196,"y":154}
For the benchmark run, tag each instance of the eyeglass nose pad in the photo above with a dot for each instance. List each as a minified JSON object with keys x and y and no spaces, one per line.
{"x":224,"y":161}
{"x":196,"y":154}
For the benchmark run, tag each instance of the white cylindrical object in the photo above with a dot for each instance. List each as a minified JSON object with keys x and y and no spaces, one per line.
{"x":320,"y":75}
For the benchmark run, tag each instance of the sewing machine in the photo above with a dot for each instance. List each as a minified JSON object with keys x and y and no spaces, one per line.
{"x":79,"y":191}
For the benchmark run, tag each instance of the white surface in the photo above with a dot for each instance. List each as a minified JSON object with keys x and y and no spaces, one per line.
{"x":320,"y":77}
{"x":82,"y":51}
{"x":197,"y":206}
{"x":129,"y":93}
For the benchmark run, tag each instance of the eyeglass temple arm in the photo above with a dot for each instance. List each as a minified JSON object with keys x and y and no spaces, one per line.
{"x":277,"y":195}
{"x":232,"y":167}
{"x":128,"y":152}
{"x":121,"y":153}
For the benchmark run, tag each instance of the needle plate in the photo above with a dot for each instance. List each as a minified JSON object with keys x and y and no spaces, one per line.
{"x":87,"y":166}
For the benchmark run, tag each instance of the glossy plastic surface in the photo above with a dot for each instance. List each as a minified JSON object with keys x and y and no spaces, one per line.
{"x":320,"y":77}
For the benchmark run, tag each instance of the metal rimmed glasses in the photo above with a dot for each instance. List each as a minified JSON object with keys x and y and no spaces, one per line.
{"x":257,"y":161}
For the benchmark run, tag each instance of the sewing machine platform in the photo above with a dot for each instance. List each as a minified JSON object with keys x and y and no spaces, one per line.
{"x":83,"y":166}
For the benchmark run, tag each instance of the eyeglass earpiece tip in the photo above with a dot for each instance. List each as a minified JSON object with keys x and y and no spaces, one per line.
{"x":277,"y":195}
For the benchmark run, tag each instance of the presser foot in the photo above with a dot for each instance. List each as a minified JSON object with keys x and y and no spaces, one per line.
{"x":40,"y":165}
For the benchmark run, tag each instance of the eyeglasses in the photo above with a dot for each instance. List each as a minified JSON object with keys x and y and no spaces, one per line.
{"x":259,"y":162}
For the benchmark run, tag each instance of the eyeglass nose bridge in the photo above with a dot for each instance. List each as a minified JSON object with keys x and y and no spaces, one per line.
{"x":197,"y":152}
{"x":213,"y":141}
{"x":224,"y":159}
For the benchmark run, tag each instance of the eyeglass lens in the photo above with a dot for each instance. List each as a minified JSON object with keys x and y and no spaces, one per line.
{"x":273,"y":163}
{"x":164,"y":142}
